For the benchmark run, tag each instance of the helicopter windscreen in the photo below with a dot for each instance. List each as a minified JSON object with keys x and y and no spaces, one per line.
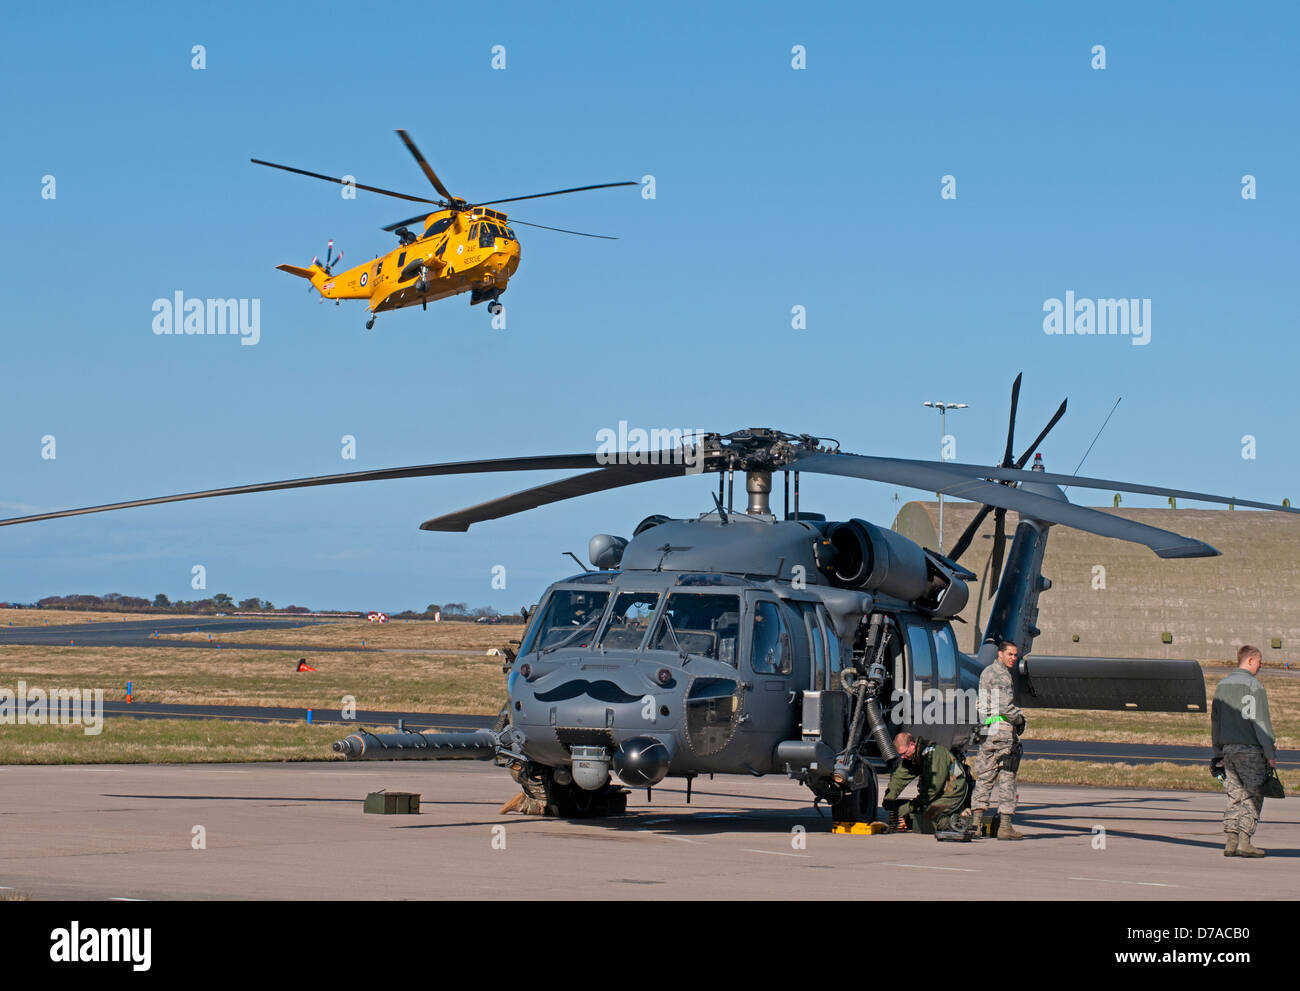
{"x":628,"y":621}
{"x":706,"y":625}
{"x":568,"y":611}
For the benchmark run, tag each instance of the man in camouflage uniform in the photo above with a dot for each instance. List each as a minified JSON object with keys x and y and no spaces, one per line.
{"x":940,"y":793}
{"x":999,"y":755}
{"x":1244,"y":748}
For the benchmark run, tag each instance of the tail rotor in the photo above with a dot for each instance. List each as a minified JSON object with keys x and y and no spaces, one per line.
{"x":999,"y":514}
{"x":331,"y":259}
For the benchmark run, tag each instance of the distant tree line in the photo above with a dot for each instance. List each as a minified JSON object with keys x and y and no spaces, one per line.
{"x":223,"y":603}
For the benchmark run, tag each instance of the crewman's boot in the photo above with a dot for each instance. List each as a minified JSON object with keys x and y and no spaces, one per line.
{"x":1247,"y":849}
{"x":1006,"y":831}
{"x":977,"y":822}
{"x":1230,"y":847}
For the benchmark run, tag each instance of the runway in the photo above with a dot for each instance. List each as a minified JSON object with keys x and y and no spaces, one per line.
{"x":274,"y":831}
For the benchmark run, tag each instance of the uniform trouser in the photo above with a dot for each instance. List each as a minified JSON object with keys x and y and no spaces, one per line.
{"x":941,"y":812}
{"x":993,"y":764}
{"x":1244,"y":771}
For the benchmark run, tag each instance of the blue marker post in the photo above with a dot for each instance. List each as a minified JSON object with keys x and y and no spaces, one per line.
{"x":128,"y":693}
{"x":308,"y":717}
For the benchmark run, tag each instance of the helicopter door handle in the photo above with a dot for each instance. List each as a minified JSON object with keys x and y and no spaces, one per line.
{"x":793,"y":696}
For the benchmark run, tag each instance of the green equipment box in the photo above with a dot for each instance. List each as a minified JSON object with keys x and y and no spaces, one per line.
{"x":393,"y":803}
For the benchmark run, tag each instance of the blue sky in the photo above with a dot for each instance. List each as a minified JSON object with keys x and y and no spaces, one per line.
{"x":775,"y":187}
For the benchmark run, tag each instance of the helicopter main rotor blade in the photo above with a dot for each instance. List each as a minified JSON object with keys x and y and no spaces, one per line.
{"x":939,"y":476}
{"x":428,"y":169}
{"x":358,"y":185}
{"x":542,"y":463}
{"x":409,"y":220}
{"x":611,"y":477}
{"x":1053,"y":478}
{"x":553,"y":192}
{"x":562,"y":230}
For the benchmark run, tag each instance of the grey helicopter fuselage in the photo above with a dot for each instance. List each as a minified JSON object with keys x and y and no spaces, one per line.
{"x":719,"y":642}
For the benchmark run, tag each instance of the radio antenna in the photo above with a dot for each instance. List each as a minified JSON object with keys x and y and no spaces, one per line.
{"x":1094,"y":440}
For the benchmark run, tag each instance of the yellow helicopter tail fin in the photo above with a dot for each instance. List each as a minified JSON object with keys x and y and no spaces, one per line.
{"x":317,"y":276}
{"x":302,"y":273}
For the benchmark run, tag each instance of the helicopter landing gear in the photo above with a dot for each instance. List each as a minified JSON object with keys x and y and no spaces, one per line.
{"x":370,"y":324}
{"x":571,"y":802}
{"x":857,"y":806}
{"x":421,"y":284}
{"x":495,"y":307}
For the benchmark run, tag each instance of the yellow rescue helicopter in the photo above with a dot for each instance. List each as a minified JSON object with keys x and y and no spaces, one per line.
{"x":464,"y":247}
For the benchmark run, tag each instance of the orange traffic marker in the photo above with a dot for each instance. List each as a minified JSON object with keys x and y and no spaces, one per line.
{"x":303,"y":665}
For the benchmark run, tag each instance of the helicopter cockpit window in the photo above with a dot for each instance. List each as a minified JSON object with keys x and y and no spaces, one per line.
{"x":570,"y":613}
{"x":438,"y":226}
{"x":704,"y":625}
{"x":770,"y":653}
{"x":627,"y":623}
{"x":487,"y":234}
{"x":510,"y":233}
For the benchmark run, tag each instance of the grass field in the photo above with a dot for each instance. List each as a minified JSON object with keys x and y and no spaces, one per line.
{"x":198,"y":676}
{"x":66,"y":617}
{"x":419,"y":678}
{"x":415,"y":635}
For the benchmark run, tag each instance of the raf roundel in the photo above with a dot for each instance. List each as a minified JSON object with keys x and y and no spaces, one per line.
{"x":363,"y":277}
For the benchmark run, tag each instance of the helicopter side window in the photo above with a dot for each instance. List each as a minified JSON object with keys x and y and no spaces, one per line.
{"x":832,"y":646}
{"x":473,"y":232}
{"x":813,"y":630}
{"x":567,"y":612}
{"x":770,"y":651}
{"x":627,"y":623}
{"x":438,"y":226}
{"x":921,"y":649}
{"x":945,"y":653}
{"x":705,"y":625}
{"x":487,"y":235}
{"x":510,"y":234}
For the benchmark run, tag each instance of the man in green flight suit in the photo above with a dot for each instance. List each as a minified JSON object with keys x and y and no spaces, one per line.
{"x":942,"y":790}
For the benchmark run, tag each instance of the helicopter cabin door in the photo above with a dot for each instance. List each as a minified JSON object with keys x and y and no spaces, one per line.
{"x":770,"y":704}
{"x":826,"y":701}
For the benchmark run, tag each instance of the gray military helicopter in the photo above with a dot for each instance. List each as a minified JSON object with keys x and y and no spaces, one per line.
{"x":742,"y":642}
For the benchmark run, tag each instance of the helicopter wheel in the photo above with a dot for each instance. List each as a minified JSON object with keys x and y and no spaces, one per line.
{"x":495,"y":307}
{"x":421,"y":286}
{"x":370,"y":324}
{"x":858,"y":806}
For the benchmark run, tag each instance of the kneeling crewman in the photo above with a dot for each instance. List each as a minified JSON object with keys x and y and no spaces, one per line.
{"x":942,"y":791}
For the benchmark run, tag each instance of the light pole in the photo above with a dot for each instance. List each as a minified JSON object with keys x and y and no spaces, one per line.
{"x":943,"y":432}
